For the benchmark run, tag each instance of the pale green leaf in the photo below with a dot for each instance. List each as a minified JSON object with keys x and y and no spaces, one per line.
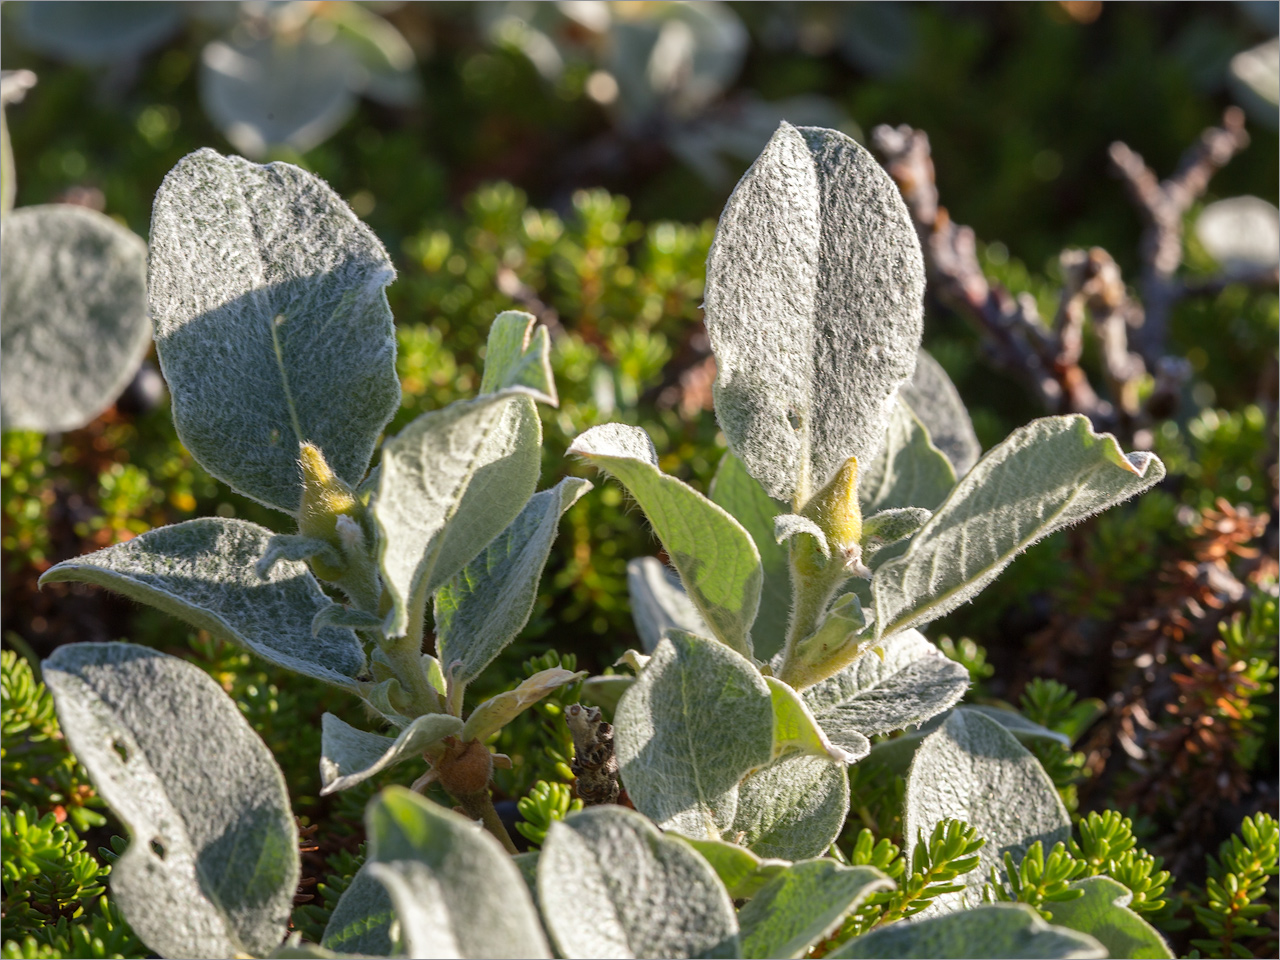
{"x":518,"y":357}
{"x":337,"y":615}
{"x":793,"y":809}
{"x":741,"y":871}
{"x":908,"y":682}
{"x":718,"y":563}
{"x":73,"y":294}
{"x":203,"y":572}
{"x":841,"y":638}
{"x":450,"y":482}
{"x":1045,"y":476}
{"x":1022,"y":728}
{"x":272,"y":326}
{"x":999,"y":931}
{"x":934,"y":399}
{"x":796,"y":731}
{"x":814,"y":294}
{"x":293,"y":546}
{"x":693,"y":723}
{"x":970,"y":769}
{"x":455,"y":890}
{"x":888,"y":527}
{"x":1103,"y":913}
{"x":361,"y":922}
{"x":610,"y":885}
{"x":496,"y":712}
{"x":909,"y":471}
{"x":804,"y":904}
{"x":739,"y":493}
{"x":788,"y":525}
{"x":212,"y":865}
{"x":484,"y":606}
{"x":349,"y":756}
{"x":659,"y":603}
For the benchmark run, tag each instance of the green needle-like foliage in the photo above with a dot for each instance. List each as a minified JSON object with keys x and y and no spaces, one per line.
{"x":1037,"y":880}
{"x":545,"y":804}
{"x":310,"y":919}
{"x":1235,"y":891}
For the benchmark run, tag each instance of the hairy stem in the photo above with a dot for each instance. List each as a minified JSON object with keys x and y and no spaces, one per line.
{"x":814,"y":580}
{"x":479,"y":806}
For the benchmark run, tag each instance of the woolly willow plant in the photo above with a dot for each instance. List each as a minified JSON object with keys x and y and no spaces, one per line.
{"x":839,"y":506}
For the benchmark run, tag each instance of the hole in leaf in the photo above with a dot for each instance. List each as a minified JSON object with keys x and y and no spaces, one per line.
{"x":157,"y":848}
{"x":793,"y":418}
{"x":121,"y":750}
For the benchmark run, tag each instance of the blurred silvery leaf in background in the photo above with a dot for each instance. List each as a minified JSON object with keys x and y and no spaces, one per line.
{"x":1242,"y":234}
{"x":1255,"y":78}
{"x":98,"y":33}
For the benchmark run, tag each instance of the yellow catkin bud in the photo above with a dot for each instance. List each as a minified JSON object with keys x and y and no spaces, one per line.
{"x":835,"y":508}
{"x":325,"y":498}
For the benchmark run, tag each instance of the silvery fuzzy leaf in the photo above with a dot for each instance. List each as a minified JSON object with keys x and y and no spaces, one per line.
{"x":610,"y":885}
{"x":518,"y":357}
{"x":1103,"y":913}
{"x":796,"y":731}
{"x":73,"y":294}
{"x":739,"y":493}
{"x":933,"y":398}
{"x":659,"y":603}
{"x":909,"y":471}
{"x":814,"y":307}
{"x":912,"y":682}
{"x":455,"y":890}
{"x":349,"y":756}
{"x":792,"y":809}
{"x":496,"y":712}
{"x":362,"y":919}
{"x":203,"y":571}
{"x":804,"y":904}
{"x":484,"y":606}
{"x":451,"y":481}
{"x":788,"y":525}
{"x":969,"y":769}
{"x":694,"y":722}
{"x":1045,"y":476}
{"x":1001,"y":931}
{"x":718,"y":563}
{"x":272,"y":326}
{"x":214,"y":845}
{"x":741,"y":871}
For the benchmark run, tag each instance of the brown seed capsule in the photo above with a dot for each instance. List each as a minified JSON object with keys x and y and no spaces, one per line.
{"x":465,"y":768}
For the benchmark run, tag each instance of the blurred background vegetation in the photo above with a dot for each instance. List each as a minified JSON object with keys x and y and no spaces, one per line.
{"x":569,"y":159}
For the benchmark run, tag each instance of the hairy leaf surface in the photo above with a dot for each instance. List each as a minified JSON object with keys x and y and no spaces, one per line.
{"x":1045,"y":476}
{"x":802,"y":905}
{"x":718,"y":562}
{"x":349,"y":756}
{"x":203,"y":571}
{"x":73,"y":293}
{"x":814,"y":307}
{"x":934,"y":399}
{"x":486,"y":604}
{"x":973,"y":769}
{"x":740,"y":870}
{"x":518,"y":356}
{"x":610,"y":885}
{"x":792,"y":809}
{"x":659,"y":603}
{"x":212,"y":865}
{"x":455,"y":890}
{"x":796,"y":731}
{"x":697,"y":718}
{"x":1103,"y":913}
{"x":272,"y":326}
{"x":361,"y":922}
{"x":450,"y":482}
{"x":496,"y":712}
{"x":909,"y":471}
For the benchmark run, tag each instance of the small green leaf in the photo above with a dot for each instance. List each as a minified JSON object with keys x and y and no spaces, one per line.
{"x":450,"y":482}
{"x":455,"y":890}
{"x":718,"y":563}
{"x":659,"y":603}
{"x":486,"y":605}
{"x":213,"y":863}
{"x":361,"y":922}
{"x":788,"y":525}
{"x":841,"y":638}
{"x":973,"y":769}
{"x":1103,"y":913}
{"x":695,"y":721}
{"x":349,"y":756}
{"x":610,"y":885}
{"x":802,"y":905}
{"x":889,"y":526}
{"x":796,"y":731}
{"x":814,"y":295}
{"x":740,"y":870}
{"x":934,"y":399}
{"x":910,"y":681}
{"x":73,"y":293}
{"x":203,"y":571}
{"x":1045,"y":476}
{"x":496,"y":712}
{"x":272,"y":326}
{"x":739,"y":493}
{"x":792,"y":809}
{"x":518,"y":357}
{"x":909,"y":471}
{"x":1000,"y":931}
